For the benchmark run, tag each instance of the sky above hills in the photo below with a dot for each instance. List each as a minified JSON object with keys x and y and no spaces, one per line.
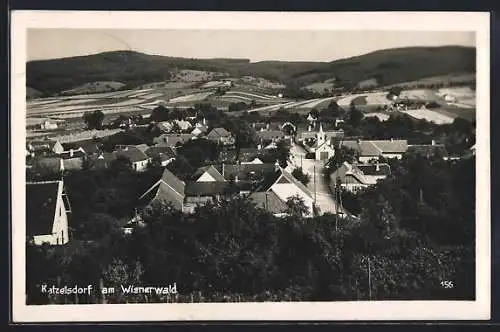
{"x":256,"y":45}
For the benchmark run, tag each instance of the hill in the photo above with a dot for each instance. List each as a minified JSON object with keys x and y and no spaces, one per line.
{"x":32,"y":93}
{"x":134,"y":69}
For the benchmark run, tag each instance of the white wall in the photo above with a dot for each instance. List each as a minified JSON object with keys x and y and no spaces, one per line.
{"x":205,"y":177}
{"x":60,"y":231}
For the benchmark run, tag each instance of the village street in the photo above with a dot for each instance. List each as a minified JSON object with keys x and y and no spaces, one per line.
{"x":314,"y":168}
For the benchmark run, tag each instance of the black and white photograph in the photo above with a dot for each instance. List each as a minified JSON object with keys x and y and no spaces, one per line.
{"x":218,"y":161}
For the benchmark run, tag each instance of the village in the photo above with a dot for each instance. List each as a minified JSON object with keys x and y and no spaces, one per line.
{"x":269,"y":173}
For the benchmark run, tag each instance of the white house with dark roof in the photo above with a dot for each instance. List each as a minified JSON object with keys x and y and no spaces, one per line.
{"x":280,"y":186}
{"x":47,"y":207}
{"x":135,"y":154}
{"x":352,"y":177}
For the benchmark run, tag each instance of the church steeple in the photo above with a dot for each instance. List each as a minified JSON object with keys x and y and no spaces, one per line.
{"x":320,"y":136}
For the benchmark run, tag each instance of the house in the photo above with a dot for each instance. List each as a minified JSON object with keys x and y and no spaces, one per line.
{"x":44,"y":123}
{"x":168,"y":189}
{"x":47,"y":207}
{"x":165,"y":154}
{"x":137,"y":157}
{"x":183,"y":125}
{"x":283,"y":186}
{"x":221,"y":135}
{"x":102,"y":160}
{"x":428,"y":150}
{"x":199,"y":130}
{"x":248,"y":172}
{"x":374,"y":149}
{"x":72,"y":159}
{"x":269,"y":201}
{"x":355,"y":177}
{"x":171,"y":140}
{"x":199,"y":193}
{"x":55,"y":163}
{"x":90,"y":147}
{"x":43,"y":147}
{"x":207,"y":174}
{"x":165,"y":126}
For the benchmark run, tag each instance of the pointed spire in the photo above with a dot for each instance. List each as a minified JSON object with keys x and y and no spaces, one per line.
{"x":320,"y":128}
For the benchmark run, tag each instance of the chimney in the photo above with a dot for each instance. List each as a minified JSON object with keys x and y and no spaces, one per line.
{"x":309,"y":128}
{"x":259,"y":146}
{"x":204,"y":122}
{"x":236,"y":178}
{"x":71,"y":152}
{"x":253,"y":124}
{"x":433,"y":142}
{"x":377,"y":167}
{"x":277,"y":165}
{"x":267,"y":126}
{"x":392,"y":139}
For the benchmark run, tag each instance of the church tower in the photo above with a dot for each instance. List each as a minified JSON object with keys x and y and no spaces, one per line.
{"x":320,"y":136}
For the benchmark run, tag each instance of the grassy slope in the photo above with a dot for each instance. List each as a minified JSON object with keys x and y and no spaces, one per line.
{"x":133,"y":68}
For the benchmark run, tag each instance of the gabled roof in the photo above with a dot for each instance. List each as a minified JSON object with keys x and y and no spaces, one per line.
{"x":281,"y":176}
{"x":377,"y":147}
{"x":162,"y":151}
{"x":391,"y":146}
{"x":381,"y":169}
{"x":171,"y":140}
{"x":218,"y":132}
{"x":269,"y":201}
{"x":41,"y":201}
{"x":43,"y":144}
{"x":167,"y":189}
{"x":132,"y":153}
{"x":367,"y":148}
{"x":207,"y":188}
{"x":142,"y":147}
{"x":211,"y":170}
{"x":173,"y":181}
{"x":363,"y":174}
{"x":244,"y":170}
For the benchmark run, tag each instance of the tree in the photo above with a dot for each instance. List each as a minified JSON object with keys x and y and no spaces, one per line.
{"x":160,"y":113}
{"x":94,"y":119}
{"x":354,"y":117}
{"x":296,"y":206}
{"x":282,"y":153}
{"x":304,"y":178}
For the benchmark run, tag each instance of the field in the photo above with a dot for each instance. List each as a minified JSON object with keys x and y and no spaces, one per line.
{"x":430,"y":115}
{"x":93,"y":87}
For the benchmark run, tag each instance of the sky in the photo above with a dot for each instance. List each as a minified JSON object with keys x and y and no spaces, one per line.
{"x":256,"y":45}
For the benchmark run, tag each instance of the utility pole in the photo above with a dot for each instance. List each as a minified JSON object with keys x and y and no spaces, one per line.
{"x":314,"y":177}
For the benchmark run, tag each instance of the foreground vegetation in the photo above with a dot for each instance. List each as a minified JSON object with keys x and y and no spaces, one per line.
{"x":415,"y":230}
